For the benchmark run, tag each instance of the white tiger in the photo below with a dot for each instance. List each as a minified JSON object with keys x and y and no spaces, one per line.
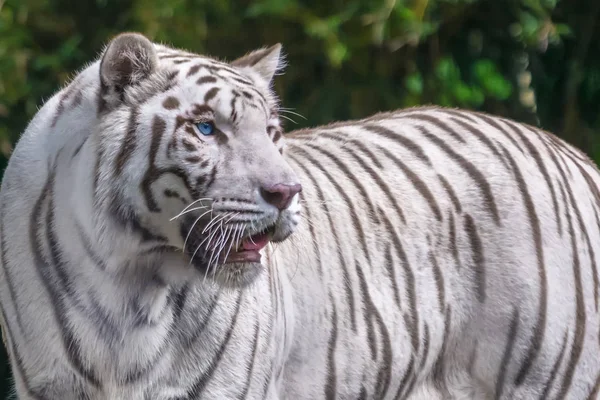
{"x":159,"y":241}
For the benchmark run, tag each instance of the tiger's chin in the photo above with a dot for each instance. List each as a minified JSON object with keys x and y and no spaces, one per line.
{"x":236,"y":275}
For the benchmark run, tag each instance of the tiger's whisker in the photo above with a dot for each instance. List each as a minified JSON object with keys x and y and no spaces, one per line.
{"x":192,"y":228}
{"x":288,"y":118}
{"x":191,"y":204}
{"x":284,"y":110}
{"x":187,"y":211}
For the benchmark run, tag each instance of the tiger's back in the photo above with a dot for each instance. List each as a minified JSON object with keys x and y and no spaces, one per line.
{"x":431,"y":253}
{"x":454,"y":255}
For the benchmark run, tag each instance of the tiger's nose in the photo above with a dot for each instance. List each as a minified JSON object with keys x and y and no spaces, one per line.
{"x":280,"y":195}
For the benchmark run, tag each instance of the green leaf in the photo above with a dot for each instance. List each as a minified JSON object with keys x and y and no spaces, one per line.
{"x":483,"y":69}
{"x":269,"y":7}
{"x":477,"y":96}
{"x":338,"y":52}
{"x":447,"y":71}
{"x":462,"y":92}
{"x":564,"y":30}
{"x":414,"y":83}
{"x":318,"y":28}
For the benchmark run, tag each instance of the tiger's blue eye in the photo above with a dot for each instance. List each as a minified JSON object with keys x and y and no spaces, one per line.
{"x":206,"y":128}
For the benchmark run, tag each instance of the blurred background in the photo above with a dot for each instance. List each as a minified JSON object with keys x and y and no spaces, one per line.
{"x":536,"y":61}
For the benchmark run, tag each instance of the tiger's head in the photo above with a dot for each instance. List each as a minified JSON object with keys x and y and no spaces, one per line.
{"x":191,"y":150}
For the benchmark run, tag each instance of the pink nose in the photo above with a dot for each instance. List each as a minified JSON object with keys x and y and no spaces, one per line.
{"x":280,"y":195}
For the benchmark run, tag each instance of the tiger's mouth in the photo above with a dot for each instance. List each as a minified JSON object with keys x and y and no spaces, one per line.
{"x":248,"y":248}
{"x":230,"y":253}
{"x":225,"y":245}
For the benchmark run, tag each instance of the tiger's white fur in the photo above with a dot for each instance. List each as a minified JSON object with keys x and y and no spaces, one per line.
{"x":440,"y":253}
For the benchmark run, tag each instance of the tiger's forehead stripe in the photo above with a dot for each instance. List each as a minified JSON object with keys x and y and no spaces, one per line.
{"x":206,"y":79}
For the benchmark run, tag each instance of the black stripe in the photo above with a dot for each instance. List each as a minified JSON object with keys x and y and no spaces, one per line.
{"x":363,"y":395}
{"x":341,"y":138}
{"x":399,"y":139}
{"x":349,"y":203}
{"x":309,"y":221}
{"x":554,"y":157}
{"x":408,"y":374}
{"x":331,"y":381}
{"x":508,"y":349}
{"x":595,"y":390}
{"x":193,"y":70}
{"x":204,"y":79}
{"x":580,"y":312}
{"x":439,"y":368}
{"x":234,"y":115}
{"x":495,"y":123}
{"x":380,"y":183}
{"x":251,"y":361}
{"x":453,"y":245}
{"x":267,"y":383}
{"x":434,"y":120}
{"x":372,"y":315}
{"x":210,"y":94}
{"x":460,"y":113}
{"x":478,"y":257}
{"x":137,"y":373}
{"x":9,"y":280}
{"x":158,"y":129}
{"x":391,"y":272}
{"x":596,"y":195}
{"x":351,"y":176}
{"x":15,"y":358}
{"x":471,"y":170}
{"x":417,"y":182}
{"x":473,"y":359}
{"x":588,"y":242}
{"x":61,"y":103}
{"x":439,"y":281}
{"x":413,"y":328}
{"x":99,"y":319}
{"x":384,"y":375}
{"x":542,"y":167}
{"x":70,"y":344}
{"x":97,"y":167}
{"x":79,"y":147}
{"x":451,"y":193}
{"x":596,"y":216}
{"x":426,"y":343}
{"x":553,"y":373}
{"x":369,"y":310}
{"x":481,"y":137}
{"x":190,"y":340}
{"x":536,"y":236}
{"x":268,"y":343}
{"x":87,"y":246}
{"x":571,"y":152}
{"x":179,"y":303}
{"x":128,"y":143}
{"x":200,"y":384}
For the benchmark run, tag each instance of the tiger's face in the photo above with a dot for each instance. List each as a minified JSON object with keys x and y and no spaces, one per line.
{"x":200,"y":165}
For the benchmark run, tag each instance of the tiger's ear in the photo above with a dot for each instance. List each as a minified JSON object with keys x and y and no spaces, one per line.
{"x":263,"y":62}
{"x":128,"y":59}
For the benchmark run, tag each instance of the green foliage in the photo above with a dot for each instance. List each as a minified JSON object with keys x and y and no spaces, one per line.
{"x":532,"y":60}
